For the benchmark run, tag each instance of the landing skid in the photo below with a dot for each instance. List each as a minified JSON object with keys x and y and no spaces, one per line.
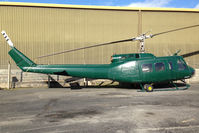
{"x":176,"y":88}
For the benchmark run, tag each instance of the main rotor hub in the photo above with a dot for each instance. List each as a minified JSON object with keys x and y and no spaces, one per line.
{"x":141,"y":39}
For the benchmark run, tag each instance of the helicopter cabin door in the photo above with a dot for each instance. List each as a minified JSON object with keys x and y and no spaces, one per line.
{"x":155,"y":71}
{"x":162,"y":71}
{"x":146,"y":71}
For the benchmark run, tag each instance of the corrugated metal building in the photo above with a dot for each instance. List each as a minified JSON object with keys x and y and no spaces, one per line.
{"x":39,"y":29}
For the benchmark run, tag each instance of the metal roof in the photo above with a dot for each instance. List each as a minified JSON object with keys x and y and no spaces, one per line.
{"x":96,"y":7}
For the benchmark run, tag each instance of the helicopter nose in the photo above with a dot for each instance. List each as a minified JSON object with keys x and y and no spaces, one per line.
{"x":192,"y":71}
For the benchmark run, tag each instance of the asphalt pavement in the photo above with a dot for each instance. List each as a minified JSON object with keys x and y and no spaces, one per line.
{"x":99,"y":110}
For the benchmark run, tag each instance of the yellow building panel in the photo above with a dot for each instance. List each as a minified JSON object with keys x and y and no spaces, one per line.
{"x":40,"y":31}
{"x":185,"y":40}
{"x":37,"y":30}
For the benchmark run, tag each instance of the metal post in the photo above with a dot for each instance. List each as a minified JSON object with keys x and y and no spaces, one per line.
{"x":57,"y":78}
{"x":139,"y":28}
{"x":9,"y":74}
{"x":21,"y":78}
{"x":48,"y":81}
{"x":85,"y":82}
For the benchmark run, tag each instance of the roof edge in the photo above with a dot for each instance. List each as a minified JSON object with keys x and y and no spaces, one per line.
{"x":96,"y":7}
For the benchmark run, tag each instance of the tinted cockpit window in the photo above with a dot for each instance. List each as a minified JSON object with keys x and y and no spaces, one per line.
{"x":147,"y":68}
{"x":159,"y":67}
{"x":181,"y":65}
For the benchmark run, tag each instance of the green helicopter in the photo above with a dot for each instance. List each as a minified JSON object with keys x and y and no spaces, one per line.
{"x":141,"y":68}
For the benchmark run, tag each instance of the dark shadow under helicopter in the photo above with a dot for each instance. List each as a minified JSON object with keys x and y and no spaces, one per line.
{"x":77,"y":86}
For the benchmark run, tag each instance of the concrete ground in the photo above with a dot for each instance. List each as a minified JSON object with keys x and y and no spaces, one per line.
{"x":99,"y":110}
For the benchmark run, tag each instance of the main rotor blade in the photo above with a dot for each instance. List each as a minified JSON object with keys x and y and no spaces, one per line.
{"x":174,"y":30}
{"x":190,"y":54}
{"x":97,"y":45}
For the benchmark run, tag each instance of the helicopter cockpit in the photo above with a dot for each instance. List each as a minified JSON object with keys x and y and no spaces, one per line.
{"x":181,"y":64}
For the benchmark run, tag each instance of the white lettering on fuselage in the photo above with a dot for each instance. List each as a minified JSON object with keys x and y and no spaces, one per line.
{"x":129,"y":64}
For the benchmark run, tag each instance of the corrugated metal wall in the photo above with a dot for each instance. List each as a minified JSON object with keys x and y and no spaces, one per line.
{"x":185,"y":40}
{"x":38,"y":31}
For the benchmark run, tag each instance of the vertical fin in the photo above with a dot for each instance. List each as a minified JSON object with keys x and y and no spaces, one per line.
{"x":20,"y":59}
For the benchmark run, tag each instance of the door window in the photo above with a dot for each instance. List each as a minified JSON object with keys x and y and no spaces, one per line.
{"x":147,"y":68}
{"x":159,"y":67}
